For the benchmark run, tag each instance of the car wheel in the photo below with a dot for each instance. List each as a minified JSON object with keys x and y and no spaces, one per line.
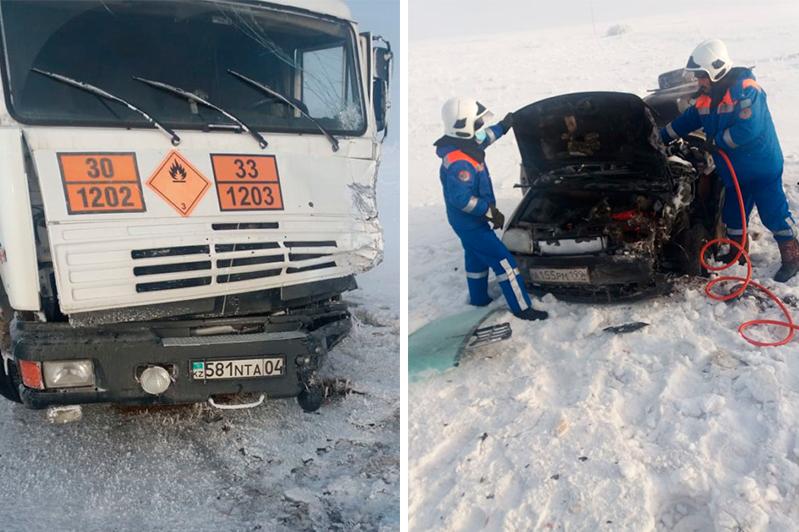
{"x":691,"y":241}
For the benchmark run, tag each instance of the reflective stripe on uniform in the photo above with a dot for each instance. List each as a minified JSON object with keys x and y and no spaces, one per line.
{"x":490,"y":135}
{"x":514,"y":283}
{"x":745,"y":103}
{"x":791,"y":227}
{"x":702,"y":104}
{"x":728,"y":139}
{"x":726,"y":108}
{"x":458,"y":155}
{"x":670,"y":130}
{"x":734,"y":232}
{"x":471,"y":205}
{"x":750,"y":83}
{"x":477,"y":275}
{"x":784,"y":232}
{"x":727,"y":99}
{"x":504,"y":276}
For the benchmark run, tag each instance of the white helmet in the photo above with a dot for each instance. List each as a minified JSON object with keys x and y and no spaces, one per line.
{"x":463,"y":117}
{"x":712,"y":58}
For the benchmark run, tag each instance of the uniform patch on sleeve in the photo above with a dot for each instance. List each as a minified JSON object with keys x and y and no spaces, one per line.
{"x":465,"y":176}
{"x":745,"y":113}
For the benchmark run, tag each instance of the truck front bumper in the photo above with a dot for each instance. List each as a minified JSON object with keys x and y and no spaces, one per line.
{"x":120,"y":354}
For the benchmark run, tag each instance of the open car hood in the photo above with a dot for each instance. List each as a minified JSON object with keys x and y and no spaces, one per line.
{"x":588,"y":128}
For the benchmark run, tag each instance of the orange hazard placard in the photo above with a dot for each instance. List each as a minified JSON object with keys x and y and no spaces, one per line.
{"x":247,"y":182}
{"x":179,"y":183}
{"x":96,"y":183}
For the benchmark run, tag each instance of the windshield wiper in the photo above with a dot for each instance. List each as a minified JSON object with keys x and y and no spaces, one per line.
{"x":97,"y":91}
{"x":288,"y":101}
{"x":186,"y":94}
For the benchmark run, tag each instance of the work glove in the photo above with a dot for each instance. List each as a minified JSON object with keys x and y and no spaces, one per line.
{"x":496,"y":217}
{"x":507,"y":122}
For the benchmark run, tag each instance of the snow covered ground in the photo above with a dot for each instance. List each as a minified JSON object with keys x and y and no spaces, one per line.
{"x":195,"y":468}
{"x":680,"y":426}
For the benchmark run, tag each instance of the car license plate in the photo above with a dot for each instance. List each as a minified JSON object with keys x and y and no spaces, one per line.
{"x":560,"y":275}
{"x":238,"y":368}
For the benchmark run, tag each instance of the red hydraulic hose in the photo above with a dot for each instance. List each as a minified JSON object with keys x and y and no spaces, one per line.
{"x":746,"y":282}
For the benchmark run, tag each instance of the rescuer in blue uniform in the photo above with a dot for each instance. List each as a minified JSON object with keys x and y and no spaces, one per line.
{"x":731,"y":109}
{"x":470,"y":203}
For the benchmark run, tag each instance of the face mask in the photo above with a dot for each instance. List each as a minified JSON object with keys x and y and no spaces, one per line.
{"x":480,"y":136}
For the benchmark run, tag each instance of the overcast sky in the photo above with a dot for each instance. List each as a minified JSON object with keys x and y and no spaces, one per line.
{"x":450,"y":18}
{"x":381,"y":17}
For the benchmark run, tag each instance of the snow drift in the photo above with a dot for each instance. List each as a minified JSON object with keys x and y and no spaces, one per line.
{"x":678,"y":426}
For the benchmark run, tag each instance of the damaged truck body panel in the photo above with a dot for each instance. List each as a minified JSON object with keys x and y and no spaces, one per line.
{"x":228,"y":174}
{"x":607,"y":214}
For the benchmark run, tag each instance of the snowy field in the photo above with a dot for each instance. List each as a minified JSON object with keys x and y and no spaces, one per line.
{"x":196,"y":468}
{"x":680,"y":426}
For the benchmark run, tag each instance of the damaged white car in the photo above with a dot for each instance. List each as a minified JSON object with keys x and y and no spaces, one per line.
{"x":608,"y":213}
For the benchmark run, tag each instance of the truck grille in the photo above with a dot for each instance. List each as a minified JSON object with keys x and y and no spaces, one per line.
{"x":172,"y":285}
{"x":230,"y":262}
{"x":115,"y":263}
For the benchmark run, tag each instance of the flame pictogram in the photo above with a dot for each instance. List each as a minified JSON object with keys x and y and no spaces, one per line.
{"x":177,"y":172}
{"x":178,"y":183}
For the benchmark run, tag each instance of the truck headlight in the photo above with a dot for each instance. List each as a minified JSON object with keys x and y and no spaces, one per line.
{"x":518,"y":240}
{"x":68,"y":373}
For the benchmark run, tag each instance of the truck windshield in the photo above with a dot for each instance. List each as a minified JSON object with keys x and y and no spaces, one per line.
{"x":189,"y":44}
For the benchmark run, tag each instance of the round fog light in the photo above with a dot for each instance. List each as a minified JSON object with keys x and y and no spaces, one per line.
{"x":155,"y":380}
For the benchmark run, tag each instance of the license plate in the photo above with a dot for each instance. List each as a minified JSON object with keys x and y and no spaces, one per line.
{"x":560,"y":275}
{"x":238,"y":369}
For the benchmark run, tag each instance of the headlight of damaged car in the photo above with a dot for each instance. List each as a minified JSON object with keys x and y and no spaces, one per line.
{"x":518,"y":240}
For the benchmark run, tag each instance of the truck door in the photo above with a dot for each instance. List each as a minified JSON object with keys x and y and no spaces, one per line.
{"x":380,"y":67}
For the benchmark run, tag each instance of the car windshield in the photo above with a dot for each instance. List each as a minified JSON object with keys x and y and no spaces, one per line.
{"x":188,"y":44}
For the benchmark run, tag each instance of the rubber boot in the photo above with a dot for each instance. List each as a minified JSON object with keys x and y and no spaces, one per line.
{"x":789,"y":252}
{"x":727,"y":257}
{"x":531,"y":314}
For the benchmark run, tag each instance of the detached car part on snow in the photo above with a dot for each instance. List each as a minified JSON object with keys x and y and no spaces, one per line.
{"x":179,"y":217}
{"x":608,"y":213}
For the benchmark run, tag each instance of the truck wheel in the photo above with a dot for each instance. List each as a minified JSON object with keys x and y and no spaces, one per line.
{"x":8,"y":384}
{"x":311,"y":397}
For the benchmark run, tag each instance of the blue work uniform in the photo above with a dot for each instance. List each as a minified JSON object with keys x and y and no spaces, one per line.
{"x":469,"y":194}
{"x":740,"y":124}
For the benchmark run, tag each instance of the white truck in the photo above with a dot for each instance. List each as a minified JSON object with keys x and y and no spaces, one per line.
{"x":186,"y":190}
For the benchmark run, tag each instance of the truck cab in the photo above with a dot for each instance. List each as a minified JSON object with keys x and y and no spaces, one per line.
{"x":187,"y":189}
